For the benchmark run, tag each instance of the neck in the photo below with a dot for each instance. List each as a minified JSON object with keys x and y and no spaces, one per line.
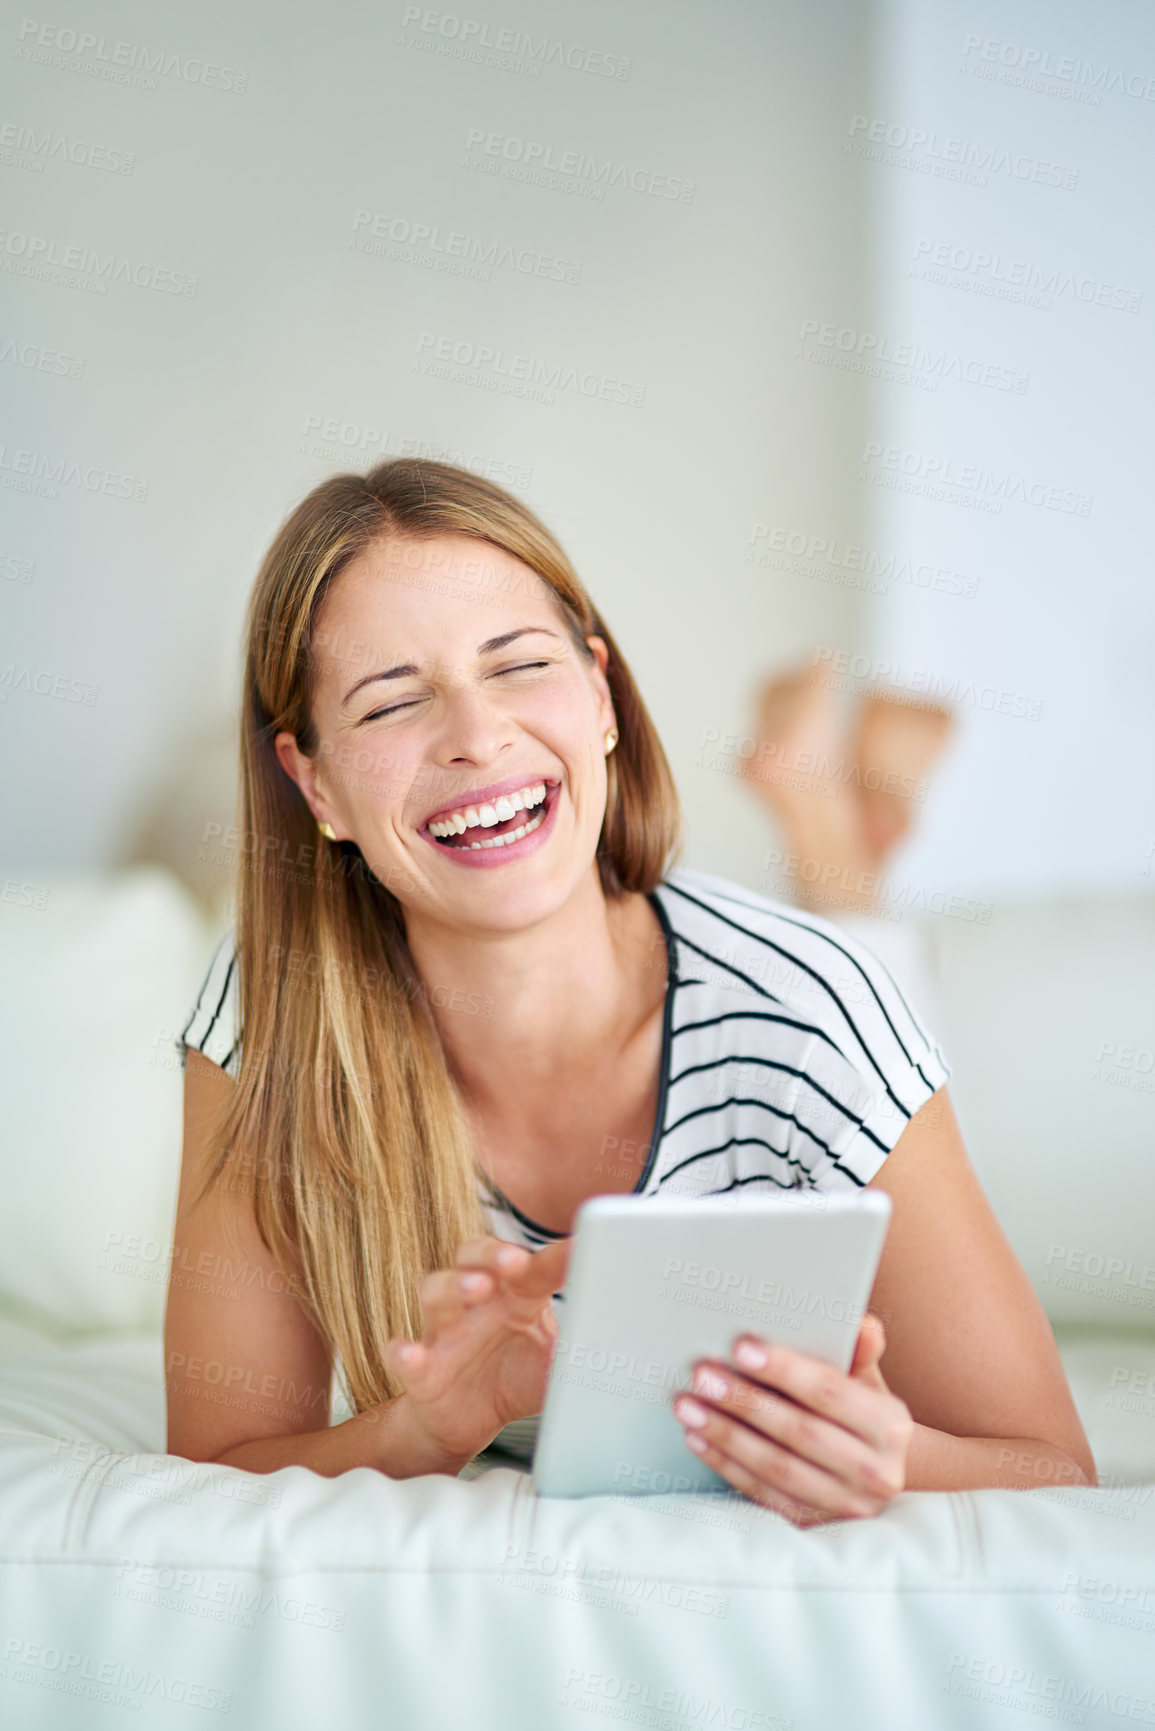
{"x":527,"y":1009}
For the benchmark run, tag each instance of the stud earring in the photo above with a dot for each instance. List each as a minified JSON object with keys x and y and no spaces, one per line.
{"x":326,"y":830}
{"x":611,"y":740}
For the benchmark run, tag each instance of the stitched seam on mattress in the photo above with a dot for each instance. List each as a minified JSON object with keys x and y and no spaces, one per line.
{"x":977,"y":1559}
{"x":960,"y":1547}
{"x":522,"y":1505}
{"x":978,"y":1527}
{"x":94,"y":1480}
{"x":986,"y":1588}
{"x":86,"y":1485}
{"x":964,"y":1528}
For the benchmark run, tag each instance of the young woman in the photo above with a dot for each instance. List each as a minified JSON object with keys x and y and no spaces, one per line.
{"x":474,"y":991}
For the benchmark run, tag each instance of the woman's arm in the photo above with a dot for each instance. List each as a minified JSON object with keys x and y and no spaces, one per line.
{"x":969,"y":1348}
{"x":247,"y":1376}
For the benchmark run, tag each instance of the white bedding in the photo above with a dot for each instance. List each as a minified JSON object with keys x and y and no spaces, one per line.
{"x":137,"y":1589}
{"x":133,"y":1582}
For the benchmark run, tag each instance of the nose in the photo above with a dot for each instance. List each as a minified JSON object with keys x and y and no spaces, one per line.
{"x":476,"y":729}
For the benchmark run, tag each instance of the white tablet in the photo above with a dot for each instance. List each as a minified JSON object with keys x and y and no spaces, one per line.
{"x":655,"y":1284}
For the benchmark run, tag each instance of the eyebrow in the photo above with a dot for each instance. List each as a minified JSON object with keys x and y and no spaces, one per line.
{"x":409,"y":669}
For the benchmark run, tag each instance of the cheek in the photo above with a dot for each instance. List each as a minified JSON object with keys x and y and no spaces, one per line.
{"x":563,"y":716}
{"x":369,"y":772}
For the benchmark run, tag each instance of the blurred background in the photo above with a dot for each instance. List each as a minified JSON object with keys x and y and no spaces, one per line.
{"x":847,"y":309}
{"x":820,"y":333}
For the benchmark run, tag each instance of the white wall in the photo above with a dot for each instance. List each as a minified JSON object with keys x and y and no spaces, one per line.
{"x":243,"y":185}
{"x":1037,"y":262}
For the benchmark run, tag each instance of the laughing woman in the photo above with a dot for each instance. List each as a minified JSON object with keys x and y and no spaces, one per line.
{"x":475,"y":991}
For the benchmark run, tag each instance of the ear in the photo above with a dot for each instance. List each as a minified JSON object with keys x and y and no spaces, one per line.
{"x":303,"y":771}
{"x":601,"y":655}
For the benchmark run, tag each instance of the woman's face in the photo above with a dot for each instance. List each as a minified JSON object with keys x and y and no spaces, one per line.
{"x":455,"y":711}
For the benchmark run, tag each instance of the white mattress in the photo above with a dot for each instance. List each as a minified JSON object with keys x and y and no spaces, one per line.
{"x":131,"y":1582}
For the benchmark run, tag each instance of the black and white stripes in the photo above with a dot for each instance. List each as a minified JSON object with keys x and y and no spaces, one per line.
{"x":214,"y":1026}
{"x":790,"y":1057}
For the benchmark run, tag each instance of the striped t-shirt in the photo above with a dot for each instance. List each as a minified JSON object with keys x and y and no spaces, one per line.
{"x":791,"y":1059}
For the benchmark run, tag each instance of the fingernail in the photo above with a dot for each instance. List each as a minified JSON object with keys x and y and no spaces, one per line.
{"x":407,"y":1353}
{"x":472,"y":1282}
{"x":749,"y":1356}
{"x":691,"y":1413}
{"x":709,"y":1383}
{"x":696,"y":1442}
{"x":510,"y":1256}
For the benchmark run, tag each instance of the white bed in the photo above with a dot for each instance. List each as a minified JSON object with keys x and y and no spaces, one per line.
{"x":136,"y":1588}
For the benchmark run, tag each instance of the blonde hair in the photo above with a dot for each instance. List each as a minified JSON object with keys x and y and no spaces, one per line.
{"x":345,"y":1102}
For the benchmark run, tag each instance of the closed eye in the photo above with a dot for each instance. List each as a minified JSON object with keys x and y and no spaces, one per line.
{"x":393,"y":709}
{"x":397,"y":708}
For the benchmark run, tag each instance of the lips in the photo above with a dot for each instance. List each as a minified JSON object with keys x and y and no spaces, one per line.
{"x":503,"y":820}
{"x":494,"y":814}
{"x":499,"y":842}
{"x":466,"y":812}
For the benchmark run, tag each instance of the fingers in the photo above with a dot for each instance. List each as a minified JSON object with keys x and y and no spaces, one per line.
{"x":803,"y":1454}
{"x":869,"y":1347}
{"x":845,"y":1400}
{"x":405,"y":1359}
{"x":546,"y":1271}
{"x":493,"y":1254}
{"x":752,"y":1476}
{"x":483,"y":1268}
{"x":445,"y":1295}
{"x":788,"y":1425}
{"x":528,"y":1273}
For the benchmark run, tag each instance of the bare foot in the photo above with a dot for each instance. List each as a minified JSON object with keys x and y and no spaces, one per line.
{"x":843,"y":805}
{"x":895,"y":745}
{"x":804,"y":773}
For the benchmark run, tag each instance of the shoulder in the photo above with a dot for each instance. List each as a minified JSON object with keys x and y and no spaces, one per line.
{"x":783,"y":972}
{"x":781,"y":948}
{"x":213,"y":1026}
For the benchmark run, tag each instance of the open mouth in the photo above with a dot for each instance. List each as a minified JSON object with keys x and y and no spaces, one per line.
{"x":498,"y":823}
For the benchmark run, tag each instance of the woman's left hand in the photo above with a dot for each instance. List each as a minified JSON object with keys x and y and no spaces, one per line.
{"x":794,"y":1434}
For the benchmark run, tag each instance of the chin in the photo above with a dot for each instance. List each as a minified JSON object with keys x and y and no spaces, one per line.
{"x":496,"y":902}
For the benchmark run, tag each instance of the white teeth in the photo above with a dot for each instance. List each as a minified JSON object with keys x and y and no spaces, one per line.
{"x":485,"y":816}
{"x":514,"y":834}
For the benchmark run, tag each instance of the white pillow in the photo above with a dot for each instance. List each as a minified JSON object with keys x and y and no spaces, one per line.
{"x":97,"y":981}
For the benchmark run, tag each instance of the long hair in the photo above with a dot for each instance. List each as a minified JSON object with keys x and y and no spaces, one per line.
{"x":346,"y":1118}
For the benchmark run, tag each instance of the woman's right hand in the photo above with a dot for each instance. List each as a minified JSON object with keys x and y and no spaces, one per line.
{"x":488,"y":1335}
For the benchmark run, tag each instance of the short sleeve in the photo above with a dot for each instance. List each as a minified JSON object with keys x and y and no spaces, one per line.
{"x":876,"y":1066}
{"x":213,"y":1027}
{"x":799,"y":1054}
